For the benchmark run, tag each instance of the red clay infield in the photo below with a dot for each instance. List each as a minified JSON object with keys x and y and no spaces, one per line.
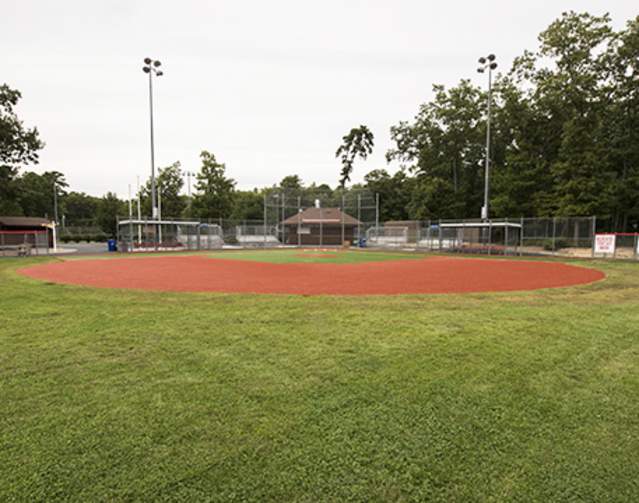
{"x":202,"y":274}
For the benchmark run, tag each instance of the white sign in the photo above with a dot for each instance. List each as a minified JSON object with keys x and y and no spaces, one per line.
{"x":605,"y":243}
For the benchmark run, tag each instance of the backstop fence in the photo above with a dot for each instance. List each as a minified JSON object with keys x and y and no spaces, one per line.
{"x":313,"y":217}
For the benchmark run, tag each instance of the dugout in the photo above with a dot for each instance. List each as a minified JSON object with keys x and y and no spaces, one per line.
{"x":492,"y":236}
{"x":30,"y":232}
{"x":320,"y":226}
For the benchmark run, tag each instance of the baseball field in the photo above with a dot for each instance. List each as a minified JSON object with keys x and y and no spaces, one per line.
{"x":167,"y":378}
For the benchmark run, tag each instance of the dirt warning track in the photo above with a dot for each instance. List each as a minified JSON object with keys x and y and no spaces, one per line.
{"x":203,"y":274}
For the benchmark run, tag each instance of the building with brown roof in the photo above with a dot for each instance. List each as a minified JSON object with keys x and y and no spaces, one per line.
{"x":15,"y":231}
{"x":320,"y":226}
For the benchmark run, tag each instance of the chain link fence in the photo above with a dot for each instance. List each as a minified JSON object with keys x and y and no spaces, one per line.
{"x":565,"y":236}
{"x":20,"y":243}
{"x":350,"y":218}
{"x":312,"y":217}
{"x":168,"y":235}
{"x":80,"y":230}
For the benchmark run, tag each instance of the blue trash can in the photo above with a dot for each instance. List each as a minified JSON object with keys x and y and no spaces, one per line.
{"x":362,"y":243}
{"x":113,"y":245}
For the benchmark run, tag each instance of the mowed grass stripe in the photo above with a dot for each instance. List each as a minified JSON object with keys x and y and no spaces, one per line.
{"x":313,"y":256}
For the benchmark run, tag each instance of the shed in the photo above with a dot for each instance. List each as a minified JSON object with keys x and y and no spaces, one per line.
{"x":320,"y":226}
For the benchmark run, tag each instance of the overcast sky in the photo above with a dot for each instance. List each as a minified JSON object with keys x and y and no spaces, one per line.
{"x":269,"y":87}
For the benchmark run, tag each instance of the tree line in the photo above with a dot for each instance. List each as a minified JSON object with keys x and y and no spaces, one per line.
{"x":565,"y":142}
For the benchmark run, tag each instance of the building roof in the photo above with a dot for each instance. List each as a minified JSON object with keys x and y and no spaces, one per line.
{"x":325,"y":216}
{"x":24,"y":221}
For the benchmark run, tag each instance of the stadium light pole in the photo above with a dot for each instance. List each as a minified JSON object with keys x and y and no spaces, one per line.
{"x":151,"y":67}
{"x":55,"y":201}
{"x":487,"y":64}
{"x":189,"y":174}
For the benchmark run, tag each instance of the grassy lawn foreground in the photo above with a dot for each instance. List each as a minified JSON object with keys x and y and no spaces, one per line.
{"x":123,"y":395}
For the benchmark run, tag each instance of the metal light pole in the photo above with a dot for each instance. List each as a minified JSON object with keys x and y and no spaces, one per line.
{"x":152,"y":68}
{"x":487,"y":63}
{"x":55,"y":202}
{"x":139,"y":212}
{"x":188,"y":182}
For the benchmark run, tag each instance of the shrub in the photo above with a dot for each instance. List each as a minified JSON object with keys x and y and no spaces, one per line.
{"x":558,"y":244}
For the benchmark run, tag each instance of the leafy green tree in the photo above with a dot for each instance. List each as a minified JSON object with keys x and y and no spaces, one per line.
{"x":19,"y":146}
{"x":109,"y":208}
{"x":169,"y":183}
{"x":444,"y":144}
{"x":214,"y":191}
{"x":394,"y":193}
{"x":34,"y":193}
{"x":565,"y":80}
{"x":291,"y":182}
{"x":248,"y":205}
{"x":358,"y":142}
{"x":79,"y":208}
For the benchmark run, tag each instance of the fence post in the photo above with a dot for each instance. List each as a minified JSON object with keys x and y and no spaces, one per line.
{"x":299,"y":221}
{"x":377,"y":214}
{"x":439,"y":234}
{"x":359,"y":217}
{"x":521,"y":236}
{"x":283,"y":218}
{"x":131,"y":239}
{"x":342,"y":218}
{"x":506,"y":237}
{"x":321,"y":226}
{"x":593,"y":236}
{"x":490,"y":236}
{"x":264,"y":222}
{"x":554,"y":234}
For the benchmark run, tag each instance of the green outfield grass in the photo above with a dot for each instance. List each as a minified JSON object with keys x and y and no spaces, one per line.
{"x":290,"y":256}
{"x":128,"y":396}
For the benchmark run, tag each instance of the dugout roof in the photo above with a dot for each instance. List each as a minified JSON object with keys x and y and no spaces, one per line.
{"x":325,"y":216}
{"x":23,"y":222}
